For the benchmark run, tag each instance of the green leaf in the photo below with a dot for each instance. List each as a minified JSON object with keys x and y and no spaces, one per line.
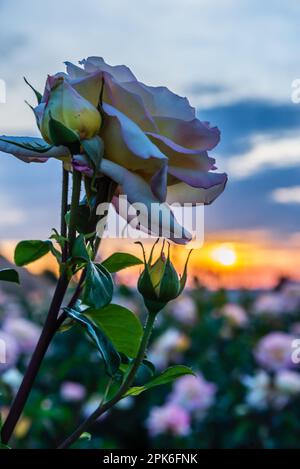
{"x":39,"y":145}
{"x":79,"y":250}
{"x":38,"y":95}
{"x":184,"y":275}
{"x":2,"y":445}
{"x":98,"y":287}
{"x":85,"y":436}
{"x":119,"y":261}
{"x":94,"y":148}
{"x":144,"y":374}
{"x":86,"y":219}
{"x":29,"y":251}
{"x":9,"y":275}
{"x":167,"y":376}
{"x":107,"y":350}
{"x":62,"y":135}
{"x":120,"y":325}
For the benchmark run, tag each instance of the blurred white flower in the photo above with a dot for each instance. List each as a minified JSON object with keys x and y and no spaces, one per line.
{"x":9,"y":351}
{"x":72,"y":392}
{"x":194,"y":394}
{"x":267,"y":392}
{"x":12,"y":378}
{"x":234,"y":314}
{"x":274,"y":351}
{"x":184,"y":310}
{"x":170,"y":418}
{"x":276,"y":303}
{"x":25,"y":332}
{"x":258,"y":389}
{"x":168,"y":348}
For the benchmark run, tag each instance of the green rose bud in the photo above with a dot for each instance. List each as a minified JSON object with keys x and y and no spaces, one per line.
{"x":159,"y":283}
{"x":66,"y":116}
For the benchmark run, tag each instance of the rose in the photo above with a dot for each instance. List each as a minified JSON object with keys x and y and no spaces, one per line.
{"x":153,"y":124}
{"x":64,"y":104}
{"x":155,"y":148}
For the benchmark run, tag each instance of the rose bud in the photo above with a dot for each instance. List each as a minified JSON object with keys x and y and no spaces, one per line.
{"x":159,"y":283}
{"x":66,"y":117}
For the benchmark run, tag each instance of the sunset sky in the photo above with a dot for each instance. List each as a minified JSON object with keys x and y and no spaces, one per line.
{"x":236,"y":62}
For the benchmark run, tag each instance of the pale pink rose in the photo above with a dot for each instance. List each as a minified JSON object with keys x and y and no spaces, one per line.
{"x":274,"y":351}
{"x":194,"y":394}
{"x":169,"y":419}
{"x":72,"y":392}
{"x":25,"y":332}
{"x":155,"y":147}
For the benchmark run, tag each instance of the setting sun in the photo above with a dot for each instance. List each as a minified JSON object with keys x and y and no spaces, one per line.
{"x":224,"y":255}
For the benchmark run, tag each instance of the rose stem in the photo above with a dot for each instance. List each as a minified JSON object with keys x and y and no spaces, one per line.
{"x":125,"y":386}
{"x":49,"y":328}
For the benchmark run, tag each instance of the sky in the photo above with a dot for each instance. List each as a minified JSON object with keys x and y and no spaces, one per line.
{"x":236,"y":62}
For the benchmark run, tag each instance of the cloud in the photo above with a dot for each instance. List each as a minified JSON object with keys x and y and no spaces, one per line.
{"x":287,"y":195}
{"x":266,"y":154}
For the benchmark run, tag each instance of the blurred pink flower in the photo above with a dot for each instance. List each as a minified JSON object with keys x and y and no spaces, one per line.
{"x":72,"y":392}
{"x":194,"y":394}
{"x":168,"y":348}
{"x":169,"y":418}
{"x":25,"y":332}
{"x":274,"y":351}
{"x":184,"y":310}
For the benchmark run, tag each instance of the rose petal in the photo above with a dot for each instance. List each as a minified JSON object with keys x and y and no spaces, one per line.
{"x":162,"y":102}
{"x":159,"y":101}
{"x":158,"y":183}
{"x":182,"y":193}
{"x":139,"y":192}
{"x":180,"y":156}
{"x":200,"y":179}
{"x":128,"y":103}
{"x":126,"y":144}
{"x":119,"y":72}
{"x":192,"y":134}
{"x":89,"y":87}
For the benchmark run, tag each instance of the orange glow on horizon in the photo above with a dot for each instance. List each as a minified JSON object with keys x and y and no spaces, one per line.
{"x":230,"y":260}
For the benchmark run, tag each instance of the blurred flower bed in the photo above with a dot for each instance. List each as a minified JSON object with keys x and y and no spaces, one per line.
{"x":246,"y":392}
